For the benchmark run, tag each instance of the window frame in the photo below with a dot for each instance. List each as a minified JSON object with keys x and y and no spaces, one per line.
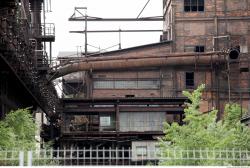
{"x":188,"y":81}
{"x":194,"y":5}
{"x":141,"y":84}
{"x":198,"y":48}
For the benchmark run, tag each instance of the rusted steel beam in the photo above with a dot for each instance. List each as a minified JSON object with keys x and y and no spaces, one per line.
{"x":87,"y":104}
{"x":78,"y":110}
{"x":124,"y":100}
{"x":74,"y":103}
{"x":102,"y":139}
{"x":105,"y":133}
{"x":152,"y":109}
{"x":89,"y":110}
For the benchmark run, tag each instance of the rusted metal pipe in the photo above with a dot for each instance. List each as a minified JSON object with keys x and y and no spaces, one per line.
{"x":137,"y":62}
{"x":125,"y":56}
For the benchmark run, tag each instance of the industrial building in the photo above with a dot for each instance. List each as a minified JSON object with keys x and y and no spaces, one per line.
{"x":120,"y":99}
{"x":123,"y":96}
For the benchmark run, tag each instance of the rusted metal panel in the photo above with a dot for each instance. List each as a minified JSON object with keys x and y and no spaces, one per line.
{"x":124,"y":101}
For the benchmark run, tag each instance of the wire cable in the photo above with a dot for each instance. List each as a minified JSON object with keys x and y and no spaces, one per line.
{"x":143,"y":9}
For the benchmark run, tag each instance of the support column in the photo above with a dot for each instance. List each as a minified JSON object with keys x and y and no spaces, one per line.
{"x":117,"y":118}
{"x":217,"y":93}
{"x":50,"y":53}
{"x":36,"y":7}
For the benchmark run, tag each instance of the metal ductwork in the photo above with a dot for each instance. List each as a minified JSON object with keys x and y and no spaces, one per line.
{"x":234,"y":53}
{"x":125,"y":62}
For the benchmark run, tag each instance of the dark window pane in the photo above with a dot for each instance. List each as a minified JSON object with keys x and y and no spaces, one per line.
{"x":200,"y":5}
{"x":196,"y":49}
{"x":194,"y":5}
{"x":187,"y":5}
{"x":189,"y":79}
{"x":202,"y":48}
{"x":187,"y":2}
{"x":187,"y":8}
{"x":199,"y":49}
{"x":194,"y":8}
{"x":200,"y":2}
{"x":200,"y":8}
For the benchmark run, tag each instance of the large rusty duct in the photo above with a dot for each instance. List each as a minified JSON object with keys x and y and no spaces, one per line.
{"x":125,"y":62}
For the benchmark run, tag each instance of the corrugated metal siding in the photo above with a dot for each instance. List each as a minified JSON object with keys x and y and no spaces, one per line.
{"x":138,"y":121}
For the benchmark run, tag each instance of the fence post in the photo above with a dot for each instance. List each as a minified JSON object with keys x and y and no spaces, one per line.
{"x":84,"y":158}
{"x":77,"y":155}
{"x":29,"y":161}
{"x":97,"y":157}
{"x":116,"y":156}
{"x":110,"y":156}
{"x":103,"y":155}
{"x":90,"y":155}
{"x":21,"y":158}
{"x":129,"y":155}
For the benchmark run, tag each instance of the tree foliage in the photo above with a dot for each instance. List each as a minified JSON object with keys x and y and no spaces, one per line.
{"x":17,"y":130}
{"x":202,"y":131}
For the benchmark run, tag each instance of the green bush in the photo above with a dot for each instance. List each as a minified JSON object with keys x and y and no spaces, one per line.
{"x":21,"y":127}
{"x":203,"y":132}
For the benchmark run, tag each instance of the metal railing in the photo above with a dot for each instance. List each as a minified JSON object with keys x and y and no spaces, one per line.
{"x":122,"y":156}
{"x":136,"y":125}
{"x":47,"y":29}
{"x":11,"y":158}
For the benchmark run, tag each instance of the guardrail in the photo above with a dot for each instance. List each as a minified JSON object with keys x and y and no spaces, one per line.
{"x":122,"y":156}
{"x":47,"y":29}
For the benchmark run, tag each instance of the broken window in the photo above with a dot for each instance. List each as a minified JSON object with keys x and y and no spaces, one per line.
{"x":193,"y":5}
{"x":199,"y":49}
{"x":189,"y":80}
